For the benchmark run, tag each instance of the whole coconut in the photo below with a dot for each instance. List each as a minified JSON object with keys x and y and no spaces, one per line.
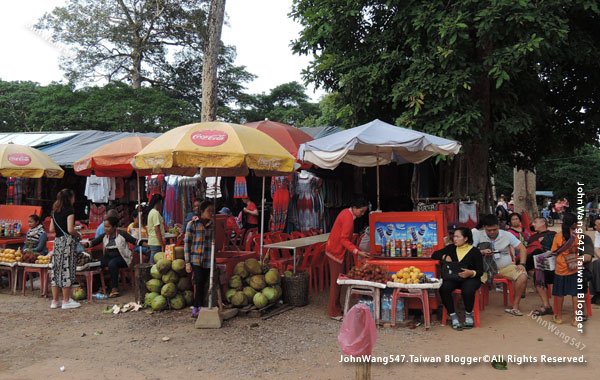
{"x":279,"y":291}
{"x":154,"y":285}
{"x":177,"y":302}
{"x":235,"y":282}
{"x":170,"y":276}
{"x":188,"y":295}
{"x":249,"y":292}
{"x":149,"y":297}
{"x":272,"y":277}
{"x":257,"y":282}
{"x":78,"y":294}
{"x":159,"y":256}
{"x":168,"y":290}
{"x":253,"y":266}
{"x":158,"y":303}
{"x":163,"y":266}
{"x":240,"y":270}
{"x":239,"y":299}
{"x":270,"y":293}
{"x":229,"y":294}
{"x":260,"y":300}
{"x":178,"y":266}
{"x":155,"y":273}
{"x":184,"y":283}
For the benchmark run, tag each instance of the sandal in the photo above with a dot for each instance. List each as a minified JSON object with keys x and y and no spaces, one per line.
{"x":457,"y":327}
{"x":557,"y":320}
{"x":515,"y":312}
{"x":542,"y":311}
{"x":114,"y":293}
{"x":338,"y":318}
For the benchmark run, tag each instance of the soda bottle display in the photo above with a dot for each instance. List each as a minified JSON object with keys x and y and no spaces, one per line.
{"x":413,"y":250}
{"x":403,"y":249}
{"x":419,"y":249}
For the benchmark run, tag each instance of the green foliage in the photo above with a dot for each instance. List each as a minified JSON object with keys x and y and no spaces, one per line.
{"x":505,"y":75}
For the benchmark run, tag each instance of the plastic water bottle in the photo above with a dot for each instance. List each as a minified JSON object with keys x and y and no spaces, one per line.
{"x":386,"y":308}
{"x":100,"y":296}
{"x":400,"y":310}
{"x":369,"y":304}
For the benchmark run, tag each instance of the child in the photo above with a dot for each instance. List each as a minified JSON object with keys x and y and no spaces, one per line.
{"x":565,"y":274}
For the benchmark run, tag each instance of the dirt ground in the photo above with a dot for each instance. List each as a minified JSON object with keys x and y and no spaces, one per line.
{"x":298,"y":344}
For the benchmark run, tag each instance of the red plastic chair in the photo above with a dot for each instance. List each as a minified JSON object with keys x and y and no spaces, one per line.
{"x":276,"y":260}
{"x":307,"y":266}
{"x":476,"y":316}
{"x":319,"y":265}
{"x":42,"y":273}
{"x":297,"y":235}
{"x":508,"y":289}
{"x":423,"y":295}
{"x":249,"y":239}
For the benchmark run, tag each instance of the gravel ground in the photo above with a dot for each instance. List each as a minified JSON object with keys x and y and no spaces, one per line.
{"x":298,"y":344}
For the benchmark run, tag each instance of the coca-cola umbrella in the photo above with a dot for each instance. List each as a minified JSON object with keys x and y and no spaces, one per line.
{"x":26,"y":162}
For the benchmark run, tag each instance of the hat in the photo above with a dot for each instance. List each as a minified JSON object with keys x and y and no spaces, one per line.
{"x":225,"y":211}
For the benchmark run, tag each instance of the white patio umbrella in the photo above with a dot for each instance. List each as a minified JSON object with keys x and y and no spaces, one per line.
{"x":373,"y":144}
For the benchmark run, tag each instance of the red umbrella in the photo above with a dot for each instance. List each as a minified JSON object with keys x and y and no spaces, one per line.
{"x":113,"y":159}
{"x":286,"y":135}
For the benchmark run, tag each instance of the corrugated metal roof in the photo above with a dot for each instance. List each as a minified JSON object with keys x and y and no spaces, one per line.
{"x":35,"y":139}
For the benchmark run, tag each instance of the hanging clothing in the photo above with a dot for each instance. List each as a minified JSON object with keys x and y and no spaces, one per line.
{"x":97,"y":189}
{"x":119,"y":188}
{"x":449,"y":210}
{"x":467,"y":214}
{"x":97,"y":213}
{"x":211,"y":192}
{"x":170,"y":206}
{"x":240,"y":188}
{"x":281,"y":198}
{"x":307,"y":201}
{"x":155,"y":185}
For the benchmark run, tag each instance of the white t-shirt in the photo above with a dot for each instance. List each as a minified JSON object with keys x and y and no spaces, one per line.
{"x":596,"y":239}
{"x":501,"y":244}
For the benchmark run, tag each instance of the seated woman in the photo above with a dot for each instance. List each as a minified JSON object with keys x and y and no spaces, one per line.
{"x":36,"y":237}
{"x":116,"y":251}
{"x":231,"y":223}
{"x":133,"y":227}
{"x":515,"y":227}
{"x":470,"y":278}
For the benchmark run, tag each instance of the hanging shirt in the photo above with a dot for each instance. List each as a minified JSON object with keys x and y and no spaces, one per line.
{"x":210,"y":187}
{"x":97,"y":189}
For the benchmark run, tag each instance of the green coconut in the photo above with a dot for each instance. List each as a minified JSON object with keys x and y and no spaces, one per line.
{"x":270,"y":293}
{"x":235,"y":282}
{"x":149,"y":297}
{"x":279,"y":291}
{"x":288,"y":273}
{"x":178,"y":266}
{"x":78,"y":294}
{"x":184,"y":283}
{"x":253,"y":266}
{"x":249,"y":292}
{"x":159,"y":256}
{"x":260,"y":300}
{"x":168,"y":290}
{"x":239,"y":299}
{"x":155,"y":273}
{"x":177,"y":302}
{"x":158,"y":303}
{"x":240,"y":270}
{"x":163,"y":266}
{"x":272,"y":277}
{"x":257,"y":282}
{"x":229,"y":294}
{"x":171,"y":276}
{"x":188,"y":295}
{"x":154,"y":285}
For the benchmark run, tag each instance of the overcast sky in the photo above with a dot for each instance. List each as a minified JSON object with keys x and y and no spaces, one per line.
{"x":259,"y":29}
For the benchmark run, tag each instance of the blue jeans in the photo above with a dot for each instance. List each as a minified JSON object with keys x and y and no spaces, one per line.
{"x":154,"y":249}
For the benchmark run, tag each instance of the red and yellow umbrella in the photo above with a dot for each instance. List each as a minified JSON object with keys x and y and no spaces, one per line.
{"x":289,"y":137}
{"x":26,"y":162}
{"x":113,"y":159}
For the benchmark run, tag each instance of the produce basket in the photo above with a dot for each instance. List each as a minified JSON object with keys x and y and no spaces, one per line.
{"x":344,"y":280}
{"x":295,"y":289}
{"x":435,"y":284}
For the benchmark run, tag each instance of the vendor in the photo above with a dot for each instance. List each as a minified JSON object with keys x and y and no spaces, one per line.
{"x":250,"y":213}
{"x":471,"y":263}
{"x":117,"y":254}
{"x":338,"y":243}
{"x":36,"y":237}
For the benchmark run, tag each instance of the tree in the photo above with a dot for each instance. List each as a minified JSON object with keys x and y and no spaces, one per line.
{"x":491,"y":74}
{"x":211,"y":54}
{"x":15,"y":105}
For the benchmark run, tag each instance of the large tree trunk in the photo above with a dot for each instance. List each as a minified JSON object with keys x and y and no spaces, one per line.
{"x":524,"y":192}
{"x":211,"y":56}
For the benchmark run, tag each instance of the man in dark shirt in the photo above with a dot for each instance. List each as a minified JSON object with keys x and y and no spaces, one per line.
{"x":540,"y":242}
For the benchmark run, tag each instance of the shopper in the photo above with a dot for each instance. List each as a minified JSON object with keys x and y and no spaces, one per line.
{"x":338,"y":243}
{"x":196,"y":248}
{"x":565,"y":246}
{"x":62,"y":272}
{"x":156,"y":227}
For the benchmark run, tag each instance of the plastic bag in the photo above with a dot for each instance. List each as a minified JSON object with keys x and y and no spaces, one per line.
{"x":358,"y":333}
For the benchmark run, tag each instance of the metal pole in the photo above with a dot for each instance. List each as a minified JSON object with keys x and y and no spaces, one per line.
{"x":378,"y":200}
{"x":262,"y":218}
{"x":212,"y":246}
{"x":139,"y":213}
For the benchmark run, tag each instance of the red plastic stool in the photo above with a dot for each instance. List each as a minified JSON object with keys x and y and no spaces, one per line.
{"x":484,"y":292}
{"x":42,"y":272}
{"x":588,"y":301}
{"x":12,"y":277}
{"x":475,"y":309}
{"x":421,"y":294}
{"x":89,"y":280}
{"x":364,"y":290}
{"x":507,"y":287}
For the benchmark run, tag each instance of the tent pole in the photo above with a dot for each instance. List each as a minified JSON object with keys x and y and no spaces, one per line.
{"x":139,"y":211}
{"x":212,"y":245}
{"x":378,"y":198}
{"x":262,"y":218}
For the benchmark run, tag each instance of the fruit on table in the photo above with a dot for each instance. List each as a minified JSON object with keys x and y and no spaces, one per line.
{"x":368,"y":272}
{"x":409,"y":275}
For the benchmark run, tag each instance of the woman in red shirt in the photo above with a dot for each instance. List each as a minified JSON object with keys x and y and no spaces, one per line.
{"x":251,"y":213}
{"x":337,"y":245}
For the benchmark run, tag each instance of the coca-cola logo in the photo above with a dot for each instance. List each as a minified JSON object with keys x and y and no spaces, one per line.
{"x":209,"y":138}
{"x":19,"y":159}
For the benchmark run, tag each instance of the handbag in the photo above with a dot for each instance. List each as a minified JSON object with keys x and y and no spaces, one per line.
{"x":450,"y":269}
{"x":571,"y":257}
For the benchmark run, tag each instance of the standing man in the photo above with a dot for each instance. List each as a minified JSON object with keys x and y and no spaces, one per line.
{"x":497,"y":258}
{"x":540,"y":242}
{"x":338,"y":244}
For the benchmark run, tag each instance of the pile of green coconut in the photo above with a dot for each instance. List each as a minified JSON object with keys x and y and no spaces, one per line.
{"x":253,"y":283}
{"x":170,"y":286}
